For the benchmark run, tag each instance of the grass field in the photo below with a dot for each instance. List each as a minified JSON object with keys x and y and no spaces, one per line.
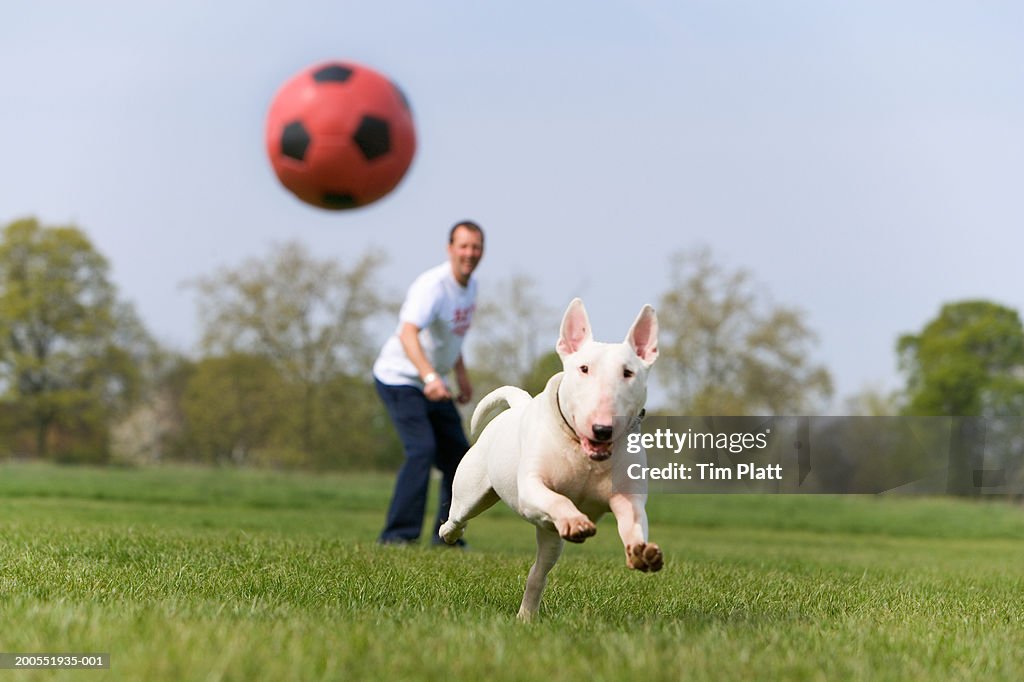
{"x":187,"y":574}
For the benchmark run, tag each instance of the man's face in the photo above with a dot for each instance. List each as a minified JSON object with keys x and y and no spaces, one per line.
{"x":464,"y":252}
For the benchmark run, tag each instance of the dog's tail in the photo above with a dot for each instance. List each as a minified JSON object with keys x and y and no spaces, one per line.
{"x":494,"y":402}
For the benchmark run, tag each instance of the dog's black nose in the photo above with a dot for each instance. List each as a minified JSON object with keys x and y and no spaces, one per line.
{"x":602,"y":432}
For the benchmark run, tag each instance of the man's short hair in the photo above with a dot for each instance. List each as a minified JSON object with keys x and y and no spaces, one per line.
{"x":469,"y":225}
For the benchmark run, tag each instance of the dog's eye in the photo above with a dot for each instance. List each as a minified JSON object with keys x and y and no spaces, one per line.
{"x":627,"y":372}
{"x":584,"y":369}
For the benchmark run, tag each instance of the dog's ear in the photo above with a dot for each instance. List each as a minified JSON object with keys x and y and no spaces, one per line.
{"x":643,"y":335}
{"x":575,"y":329}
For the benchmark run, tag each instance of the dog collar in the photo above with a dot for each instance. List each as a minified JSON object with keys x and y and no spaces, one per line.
{"x":558,"y":404}
{"x":639,"y":418}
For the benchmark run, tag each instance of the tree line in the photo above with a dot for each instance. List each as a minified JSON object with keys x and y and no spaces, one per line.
{"x":281,"y":376}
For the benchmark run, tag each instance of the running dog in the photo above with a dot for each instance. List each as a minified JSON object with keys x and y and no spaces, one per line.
{"x":551,"y":457}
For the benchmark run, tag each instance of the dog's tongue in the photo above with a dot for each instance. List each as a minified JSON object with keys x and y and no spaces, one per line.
{"x":597,"y":451}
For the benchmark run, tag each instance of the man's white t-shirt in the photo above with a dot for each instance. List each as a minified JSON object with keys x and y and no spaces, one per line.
{"x":442,"y":310}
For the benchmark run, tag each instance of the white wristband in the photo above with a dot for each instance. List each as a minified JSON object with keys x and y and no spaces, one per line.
{"x":430,"y":377}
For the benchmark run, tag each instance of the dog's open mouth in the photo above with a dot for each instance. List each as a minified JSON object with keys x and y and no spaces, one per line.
{"x":597,"y":450}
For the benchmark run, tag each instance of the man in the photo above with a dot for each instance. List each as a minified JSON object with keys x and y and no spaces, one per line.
{"x":410,"y":377}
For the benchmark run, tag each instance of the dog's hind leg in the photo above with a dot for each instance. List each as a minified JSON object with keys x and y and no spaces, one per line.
{"x":549,"y":548}
{"x":472,"y":494}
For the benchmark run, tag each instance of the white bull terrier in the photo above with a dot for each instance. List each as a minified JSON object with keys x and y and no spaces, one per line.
{"x":551,"y":457}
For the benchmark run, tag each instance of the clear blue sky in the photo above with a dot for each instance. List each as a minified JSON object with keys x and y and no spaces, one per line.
{"x":863,"y":159}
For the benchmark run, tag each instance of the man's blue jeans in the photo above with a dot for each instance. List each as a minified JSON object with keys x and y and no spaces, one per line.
{"x":432,"y":435}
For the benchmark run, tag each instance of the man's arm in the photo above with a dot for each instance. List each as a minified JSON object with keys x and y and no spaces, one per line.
{"x":465,"y":387}
{"x":434,"y":389}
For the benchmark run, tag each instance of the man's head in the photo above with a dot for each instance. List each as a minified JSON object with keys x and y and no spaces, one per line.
{"x":465,"y":249}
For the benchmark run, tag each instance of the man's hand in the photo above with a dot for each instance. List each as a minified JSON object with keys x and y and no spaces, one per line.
{"x":436,"y":390}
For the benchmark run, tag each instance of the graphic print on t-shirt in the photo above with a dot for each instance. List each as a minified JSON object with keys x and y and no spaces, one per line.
{"x":461,"y":320}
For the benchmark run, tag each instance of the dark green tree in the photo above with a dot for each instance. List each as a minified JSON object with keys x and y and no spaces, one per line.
{"x":70,"y":352}
{"x":235,"y":407}
{"x":967,"y":361}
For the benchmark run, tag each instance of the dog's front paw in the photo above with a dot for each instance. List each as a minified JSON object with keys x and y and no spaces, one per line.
{"x":576,"y":529}
{"x":644,"y":556}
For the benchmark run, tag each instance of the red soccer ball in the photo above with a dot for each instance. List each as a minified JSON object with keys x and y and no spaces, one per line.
{"x":340,"y":135}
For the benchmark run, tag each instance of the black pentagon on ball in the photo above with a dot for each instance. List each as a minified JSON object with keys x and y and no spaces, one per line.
{"x":338,"y":200}
{"x":334,"y":73}
{"x":295,"y":141}
{"x":373,"y":137}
